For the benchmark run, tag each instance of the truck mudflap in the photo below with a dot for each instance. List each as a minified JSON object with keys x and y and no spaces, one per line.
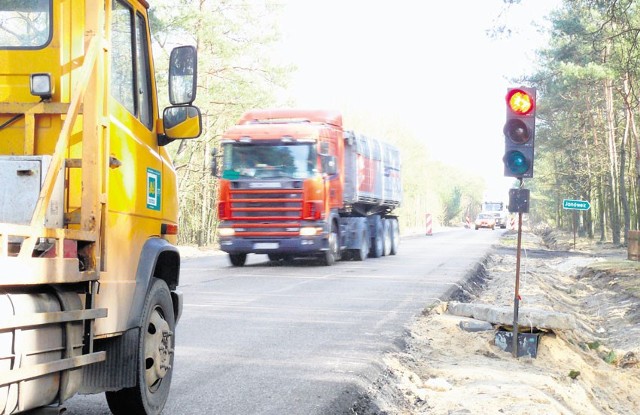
{"x":42,"y":346}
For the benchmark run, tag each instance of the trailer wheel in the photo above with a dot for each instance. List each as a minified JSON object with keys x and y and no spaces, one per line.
{"x":237,"y":260}
{"x":395,"y":236}
{"x":361,"y":254}
{"x":155,"y":357}
{"x":330,"y":256}
{"x":377,"y":248}
{"x":386,"y":225}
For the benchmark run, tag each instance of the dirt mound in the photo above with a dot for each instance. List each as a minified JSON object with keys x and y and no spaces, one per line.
{"x":591,"y":370}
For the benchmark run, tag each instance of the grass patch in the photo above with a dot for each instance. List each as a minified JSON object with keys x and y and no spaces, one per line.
{"x":593,"y":345}
{"x":611,"y":357}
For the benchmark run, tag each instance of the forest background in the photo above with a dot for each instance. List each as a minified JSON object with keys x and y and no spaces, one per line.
{"x":587,"y":145}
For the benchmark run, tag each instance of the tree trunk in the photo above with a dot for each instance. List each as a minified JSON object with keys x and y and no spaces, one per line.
{"x":613,"y":164}
{"x":601,"y":216}
{"x":629,"y":126}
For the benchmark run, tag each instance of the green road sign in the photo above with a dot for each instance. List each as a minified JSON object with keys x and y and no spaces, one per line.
{"x":575,"y":204}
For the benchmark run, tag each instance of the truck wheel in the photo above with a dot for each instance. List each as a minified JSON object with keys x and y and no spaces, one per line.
{"x":237,"y":260}
{"x":155,"y":357}
{"x":386,"y":225}
{"x":377,"y":248}
{"x":395,"y":236}
{"x":330,"y":256}
{"x":361,"y":254}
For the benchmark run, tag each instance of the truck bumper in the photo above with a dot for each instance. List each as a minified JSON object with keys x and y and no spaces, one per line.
{"x":299,"y":245}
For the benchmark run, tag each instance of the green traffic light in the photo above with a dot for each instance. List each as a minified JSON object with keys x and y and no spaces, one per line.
{"x":516,"y":163}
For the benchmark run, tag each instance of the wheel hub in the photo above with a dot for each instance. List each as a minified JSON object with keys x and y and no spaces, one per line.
{"x":158,"y":350}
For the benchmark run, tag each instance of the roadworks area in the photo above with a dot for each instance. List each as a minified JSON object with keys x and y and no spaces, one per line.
{"x":590,"y":369}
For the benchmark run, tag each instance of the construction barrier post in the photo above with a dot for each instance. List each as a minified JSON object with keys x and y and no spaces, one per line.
{"x":429,"y":224}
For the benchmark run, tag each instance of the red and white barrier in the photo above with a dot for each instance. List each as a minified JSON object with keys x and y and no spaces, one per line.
{"x":429,"y":224}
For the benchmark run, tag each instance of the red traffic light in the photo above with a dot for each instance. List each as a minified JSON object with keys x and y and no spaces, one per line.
{"x":520,"y":102}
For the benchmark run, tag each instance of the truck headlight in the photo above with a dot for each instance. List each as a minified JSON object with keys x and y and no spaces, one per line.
{"x":41,"y":86}
{"x":226,"y":232}
{"x":310,"y":231}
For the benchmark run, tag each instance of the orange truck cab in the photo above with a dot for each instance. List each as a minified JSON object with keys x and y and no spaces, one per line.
{"x":89,"y":293}
{"x":293,"y":183}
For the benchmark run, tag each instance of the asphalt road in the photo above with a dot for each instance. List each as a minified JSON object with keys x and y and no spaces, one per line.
{"x":301,"y":338}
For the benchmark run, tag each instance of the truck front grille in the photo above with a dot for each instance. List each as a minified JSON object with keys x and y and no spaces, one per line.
{"x":266,"y":212}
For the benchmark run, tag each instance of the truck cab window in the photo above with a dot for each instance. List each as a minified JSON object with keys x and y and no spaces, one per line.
{"x":130,"y":76}
{"x":269,"y":161}
{"x":143,"y":72}
{"x":25,"y":24}
{"x":122,"y":85}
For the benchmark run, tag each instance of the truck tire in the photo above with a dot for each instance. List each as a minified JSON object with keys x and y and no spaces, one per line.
{"x":237,"y":260}
{"x":377,"y":246}
{"x":155,"y":357}
{"x":361,"y":254}
{"x":386,"y":225}
{"x":395,"y":236}
{"x":330,"y":256}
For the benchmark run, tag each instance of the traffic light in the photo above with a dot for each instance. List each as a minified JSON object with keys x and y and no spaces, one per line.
{"x":519,"y":132}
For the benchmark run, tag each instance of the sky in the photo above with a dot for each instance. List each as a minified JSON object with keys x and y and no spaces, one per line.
{"x":430,"y":65}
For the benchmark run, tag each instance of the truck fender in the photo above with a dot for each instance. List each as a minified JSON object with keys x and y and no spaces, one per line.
{"x":159,"y":259}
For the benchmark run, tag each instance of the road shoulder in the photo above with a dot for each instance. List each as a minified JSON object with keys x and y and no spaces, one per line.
{"x":592,"y":369}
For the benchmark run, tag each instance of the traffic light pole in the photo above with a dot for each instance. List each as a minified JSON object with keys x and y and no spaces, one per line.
{"x":516,"y":299}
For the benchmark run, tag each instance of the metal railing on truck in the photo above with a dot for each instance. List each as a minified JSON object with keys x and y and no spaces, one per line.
{"x":21,"y":268}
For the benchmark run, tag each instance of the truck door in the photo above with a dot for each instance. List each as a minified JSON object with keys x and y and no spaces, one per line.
{"x":136,"y":167}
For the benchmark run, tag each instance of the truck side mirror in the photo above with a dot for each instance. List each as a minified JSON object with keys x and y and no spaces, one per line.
{"x":329,"y":165}
{"x":183,"y":70}
{"x":182,"y":122}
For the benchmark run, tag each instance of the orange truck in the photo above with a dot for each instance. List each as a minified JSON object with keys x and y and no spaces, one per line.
{"x":294,"y":183}
{"x":89,"y":269}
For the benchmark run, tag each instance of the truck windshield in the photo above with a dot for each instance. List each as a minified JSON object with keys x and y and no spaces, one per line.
{"x":492,"y":207}
{"x":296,"y":161}
{"x":24,"y":24}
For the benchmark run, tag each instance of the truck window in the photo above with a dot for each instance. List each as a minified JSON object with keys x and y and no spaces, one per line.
{"x":143,"y":74}
{"x":25,"y":24}
{"x":122,"y":85}
{"x":269,"y":161}
{"x":130,"y":77}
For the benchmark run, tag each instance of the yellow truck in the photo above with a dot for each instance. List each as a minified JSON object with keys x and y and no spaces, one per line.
{"x":89,"y":269}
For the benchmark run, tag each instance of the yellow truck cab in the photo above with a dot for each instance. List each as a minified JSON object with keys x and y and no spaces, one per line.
{"x":89,"y":269}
